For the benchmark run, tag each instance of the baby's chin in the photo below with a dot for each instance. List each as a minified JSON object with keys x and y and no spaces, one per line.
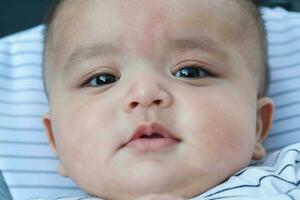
{"x":134,"y":188}
{"x":148,"y":190}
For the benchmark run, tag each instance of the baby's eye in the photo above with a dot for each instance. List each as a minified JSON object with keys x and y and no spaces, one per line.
{"x":191,"y":72}
{"x":101,"y":80}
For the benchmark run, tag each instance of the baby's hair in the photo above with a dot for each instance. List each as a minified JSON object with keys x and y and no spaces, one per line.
{"x":251,"y":7}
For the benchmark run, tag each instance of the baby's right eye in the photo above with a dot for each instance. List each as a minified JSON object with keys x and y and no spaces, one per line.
{"x":99,"y":80}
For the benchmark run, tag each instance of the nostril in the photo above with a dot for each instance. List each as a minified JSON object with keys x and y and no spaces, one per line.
{"x":134,"y":104}
{"x":157,"y":102}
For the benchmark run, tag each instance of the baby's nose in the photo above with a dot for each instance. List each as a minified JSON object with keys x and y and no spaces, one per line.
{"x":146,"y":94}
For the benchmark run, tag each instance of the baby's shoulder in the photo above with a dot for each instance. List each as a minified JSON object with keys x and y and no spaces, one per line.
{"x":277,"y":175}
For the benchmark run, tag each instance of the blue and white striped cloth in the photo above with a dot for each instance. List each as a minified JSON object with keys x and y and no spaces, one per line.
{"x":283,"y":32}
{"x":276,"y":178}
{"x":26,"y":160}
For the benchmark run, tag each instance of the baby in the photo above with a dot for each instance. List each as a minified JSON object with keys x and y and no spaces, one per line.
{"x":155,"y":97}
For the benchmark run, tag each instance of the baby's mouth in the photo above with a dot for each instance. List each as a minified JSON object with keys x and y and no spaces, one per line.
{"x":151,"y":138}
{"x":154,"y":135}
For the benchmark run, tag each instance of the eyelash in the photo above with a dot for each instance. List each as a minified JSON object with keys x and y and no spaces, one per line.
{"x":201,"y":72}
{"x":94,"y":80}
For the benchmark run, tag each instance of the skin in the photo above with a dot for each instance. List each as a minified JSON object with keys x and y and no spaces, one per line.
{"x":219,"y":118}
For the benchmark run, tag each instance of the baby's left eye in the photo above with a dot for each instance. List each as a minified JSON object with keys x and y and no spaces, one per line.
{"x":192,"y":72}
{"x":99,"y":80}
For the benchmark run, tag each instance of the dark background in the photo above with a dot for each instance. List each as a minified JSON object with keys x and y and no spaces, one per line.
{"x":17,"y":15}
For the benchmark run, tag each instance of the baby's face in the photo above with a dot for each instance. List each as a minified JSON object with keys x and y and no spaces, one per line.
{"x":175,"y":72}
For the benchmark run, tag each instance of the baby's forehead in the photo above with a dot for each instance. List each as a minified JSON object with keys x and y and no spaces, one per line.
{"x":146,"y":23}
{"x":138,"y":10}
{"x":117,"y":20}
{"x":119,"y":17}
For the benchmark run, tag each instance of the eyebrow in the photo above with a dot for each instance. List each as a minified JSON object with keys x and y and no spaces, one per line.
{"x":86,"y":52}
{"x":205,"y":44}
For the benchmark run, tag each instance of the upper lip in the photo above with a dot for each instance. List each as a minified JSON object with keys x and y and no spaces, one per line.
{"x":151,"y":128}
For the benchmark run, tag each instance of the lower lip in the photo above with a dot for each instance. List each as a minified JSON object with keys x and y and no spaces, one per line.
{"x":150,"y":145}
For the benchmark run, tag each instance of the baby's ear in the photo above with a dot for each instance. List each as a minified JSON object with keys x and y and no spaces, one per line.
{"x":49,"y":131}
{"x":265,"y":110}
{"x":51,"y":139}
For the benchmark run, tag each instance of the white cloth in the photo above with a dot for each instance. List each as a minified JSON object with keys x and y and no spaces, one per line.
{"x":276,"y":178}
{"x":283,"y":34}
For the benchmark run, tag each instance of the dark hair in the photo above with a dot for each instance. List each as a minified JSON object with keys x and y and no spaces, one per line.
{"x":251,"y":5}
{"x":265,"y":78}
{"x":50,"y":12}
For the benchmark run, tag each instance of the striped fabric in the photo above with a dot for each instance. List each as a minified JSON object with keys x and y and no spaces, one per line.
{"x":26,"y":160}
{"x":283,"y":29}
{"x":277,"y":178}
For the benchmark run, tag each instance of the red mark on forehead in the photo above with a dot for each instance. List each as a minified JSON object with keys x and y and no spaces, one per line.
{"x":144,"y":22}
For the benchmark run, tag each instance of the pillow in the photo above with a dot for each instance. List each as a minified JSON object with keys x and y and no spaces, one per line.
{"x":27,"y":162}
{"x":283,"y":33}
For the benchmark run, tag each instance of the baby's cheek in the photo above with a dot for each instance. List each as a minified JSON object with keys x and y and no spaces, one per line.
{"x":224,"y":130}
{"x":82,"y":140}
{"x":234,"y":135}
